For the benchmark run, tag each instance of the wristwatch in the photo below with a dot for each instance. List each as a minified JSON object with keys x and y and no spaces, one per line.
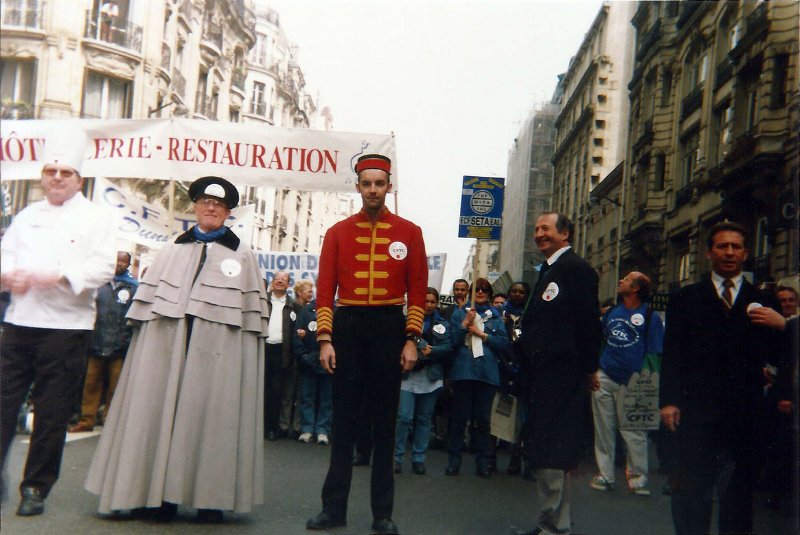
{"x":413,"y":338}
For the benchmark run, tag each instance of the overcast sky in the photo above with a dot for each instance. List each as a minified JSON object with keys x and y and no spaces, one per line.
{"x":454,"y":80}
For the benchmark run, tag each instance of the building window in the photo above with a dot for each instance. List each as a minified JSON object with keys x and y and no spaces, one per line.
{"x":780,"y":70}
{"x":696,"y":69}
{"x":105,"y":97}
{"x":747,"y":99}
{"x":257,"y":106}
{"x":258,"y":54}
{"x":683,"y":266}
{"x":666,"y":87}
{"x":761,"y":244}
{"x":689,"y":153}
{"x":722,"y":132}
{"x":17,"y":89}
{"x":660,"y":172}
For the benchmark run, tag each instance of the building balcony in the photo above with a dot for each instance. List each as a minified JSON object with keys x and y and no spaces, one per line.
{"x":258,"y":108}
{"x":692,"y":101}
{"x":17,"y":110}
{"x":688,"y":9}
{"x":211,"y":40}
{"x":238,"y":77}
{"x":649,"y":40}
{"x":756,"y":25}
{"x":645,"y":137}
{"x":178,"y":84}
{"x":724,"y":71}
{"x":125,"y":35}
{"x":22,"y":15}
{"x":683,"y":195}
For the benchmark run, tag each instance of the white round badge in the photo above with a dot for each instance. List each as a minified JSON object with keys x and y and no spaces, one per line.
{"x":312,"y":326}
{"x":123,"y":296}
{"x":637,"y":319}
{"x":753,"y":305}
{"x":439,"y":328}
{"x":551,"y":292}
{"x":398,"y":250}
{"x":231,"y":267}
{"x":292,"y":316}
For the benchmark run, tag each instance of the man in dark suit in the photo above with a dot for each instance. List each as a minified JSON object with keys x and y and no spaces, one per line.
{"x":715,"y":347}
{"x":561,"y":342}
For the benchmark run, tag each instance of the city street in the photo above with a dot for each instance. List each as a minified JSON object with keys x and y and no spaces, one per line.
{"x":433,"y":504}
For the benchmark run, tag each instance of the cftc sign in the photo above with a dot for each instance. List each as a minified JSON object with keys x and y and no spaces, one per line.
{"x":481,"y":208}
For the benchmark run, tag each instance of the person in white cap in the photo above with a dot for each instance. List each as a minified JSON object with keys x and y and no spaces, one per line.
{"x":55,"y":255}
{"x":186,"y":424}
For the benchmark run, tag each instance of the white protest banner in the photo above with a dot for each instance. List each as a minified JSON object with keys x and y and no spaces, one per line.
{"x":148,"y":224}
{"x":638,"y":402}
{"x":436,"y":264}
{"x":306,"y":266}
{"x":186,"y":149}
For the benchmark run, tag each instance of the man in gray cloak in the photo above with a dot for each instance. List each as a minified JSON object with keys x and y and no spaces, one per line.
{"x":186,"y":425}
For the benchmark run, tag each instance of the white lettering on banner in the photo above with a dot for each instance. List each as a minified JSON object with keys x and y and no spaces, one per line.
{"x":147,"y":224}
{"x":477,"y":221}
{"x":185,"y":149}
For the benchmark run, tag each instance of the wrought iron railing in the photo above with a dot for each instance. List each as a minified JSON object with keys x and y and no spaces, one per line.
{"x":126,"y":35}
{"x":179,"y":84}
{"x":213,"y":34}
{"x":683,"y":195}
{"x":166,"y":55}
{"x":692,"y":101}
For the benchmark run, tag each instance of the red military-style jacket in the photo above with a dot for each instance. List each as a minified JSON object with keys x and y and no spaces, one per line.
{"x":372,"y":265}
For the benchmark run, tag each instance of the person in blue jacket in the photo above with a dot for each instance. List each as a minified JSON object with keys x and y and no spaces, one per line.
{"x":479,"y":336}
{"x":421,"y":386}
{"x":315,"y":385}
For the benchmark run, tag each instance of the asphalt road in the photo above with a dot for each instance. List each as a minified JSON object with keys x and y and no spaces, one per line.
{"x":433,"y":504}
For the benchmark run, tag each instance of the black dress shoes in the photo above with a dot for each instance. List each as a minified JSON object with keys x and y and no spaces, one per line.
{"x":418,"y":468}
{"x":32,"y":502}
{"x":384,"y":526}
{"x":484,"y":472}
{"x":210,"y":516}
{"x":325,"y":521}
{"x":451,"y":471}
{"x":271,"y":435}
{"x":166,"y":513}
{"x":398,"y":468}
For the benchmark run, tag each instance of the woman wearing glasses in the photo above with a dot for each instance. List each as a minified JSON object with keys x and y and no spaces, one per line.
{"x":479,"y":336}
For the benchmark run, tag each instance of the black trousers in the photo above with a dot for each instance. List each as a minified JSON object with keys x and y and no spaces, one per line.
{"x":53,"y":361}
{"x":472,"y":401}
{"x":273,"y":387}
{"x":368,"y":342}
{"x":713,"y":455}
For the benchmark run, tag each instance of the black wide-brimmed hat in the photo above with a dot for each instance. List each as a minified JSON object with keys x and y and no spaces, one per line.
{"x":216,"y":187}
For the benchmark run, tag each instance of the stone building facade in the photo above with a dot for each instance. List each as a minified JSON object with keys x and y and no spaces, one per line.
{"x":199,"y":59}
{"x":591,"y":128}
{"x":529,"y":184}
{"x":713,"y":136}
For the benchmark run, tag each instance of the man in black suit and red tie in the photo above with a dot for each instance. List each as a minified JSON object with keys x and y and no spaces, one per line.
{"x":716,"y":343}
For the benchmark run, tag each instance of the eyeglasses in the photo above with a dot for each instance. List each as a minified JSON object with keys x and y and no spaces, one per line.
{"x":50,"y":172}
{"x":208,"y":201}
{"x":482,"y":289}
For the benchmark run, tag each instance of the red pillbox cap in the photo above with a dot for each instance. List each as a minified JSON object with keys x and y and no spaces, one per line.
{"x":374,"y":161}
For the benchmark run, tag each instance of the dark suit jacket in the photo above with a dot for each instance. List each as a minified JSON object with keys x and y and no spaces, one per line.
{"x":713,"y":359}
{"x":290,"y":311}
{"x":560,"y":343}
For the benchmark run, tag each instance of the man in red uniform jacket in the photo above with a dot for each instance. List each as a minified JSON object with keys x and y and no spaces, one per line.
{"x":374,"y":258}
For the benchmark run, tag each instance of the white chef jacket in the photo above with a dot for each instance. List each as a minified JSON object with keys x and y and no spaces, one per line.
{"x":77,"y":240}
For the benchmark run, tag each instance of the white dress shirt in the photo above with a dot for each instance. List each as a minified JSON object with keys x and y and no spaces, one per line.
{"x":77,"y":241}
{"x":275,"y":327}
{"x":719,"y":279}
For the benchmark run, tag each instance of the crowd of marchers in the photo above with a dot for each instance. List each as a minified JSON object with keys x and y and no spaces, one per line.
{"x":202,"y":360}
